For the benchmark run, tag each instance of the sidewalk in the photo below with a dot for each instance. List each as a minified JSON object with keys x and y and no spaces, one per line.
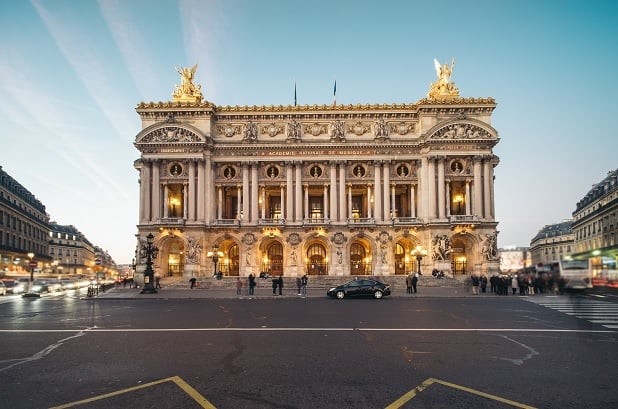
{"x":173,"y":292}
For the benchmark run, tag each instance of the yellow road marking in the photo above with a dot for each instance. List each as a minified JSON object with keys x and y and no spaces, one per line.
{"x":195,"y":395}
{"x":414,"y":391}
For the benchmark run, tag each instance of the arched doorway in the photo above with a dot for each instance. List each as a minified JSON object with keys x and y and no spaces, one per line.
{"x":402,"y":261}
{"x":175,"y":259}
{"x":359,"y":261}
{"x":231,"y":262}
{"x":273,"y":262}
{"x":459,"y":256}
{"x":316,"y":260}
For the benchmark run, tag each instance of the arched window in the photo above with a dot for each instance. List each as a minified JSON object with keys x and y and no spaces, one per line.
{"x":275,"y":258}
{"x":359,"y":263}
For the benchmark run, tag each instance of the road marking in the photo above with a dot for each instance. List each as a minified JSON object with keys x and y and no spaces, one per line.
{"x":427,"y":383}
{"x":231,"y":329}
{"x":594,"y":311}
{"x":195,"y":395}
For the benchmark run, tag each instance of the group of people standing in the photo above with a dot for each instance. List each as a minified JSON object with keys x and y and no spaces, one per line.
{"x":503,"y":284}
{"x":411,"y":281}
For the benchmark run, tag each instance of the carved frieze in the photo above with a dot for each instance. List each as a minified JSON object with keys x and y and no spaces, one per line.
{"x":272,"y":129}
{"x":402,"y":128}
{"x":358,"y":128}
{"x":172,"y":134}
{"x":228,"y":130}
{"x":461,"y":131}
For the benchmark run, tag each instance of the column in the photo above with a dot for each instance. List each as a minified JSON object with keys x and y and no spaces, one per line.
{"x":388,"y":206}
{"x":166,"y":200}
{"x":486,"y":188}
{"x":492,"y":213}
{"x":289,"y":191}
{"x":299,"y":192}
{"x":282,"y":204}
{"x":306,"y":200}
{"x":412,"y":204}
{"x":369,"y":200}
{"x":420,"y":186}
{"x":245,"y":215}
{"x":477,"y":203}
{"x":377,"y":199}
{"x":238,"y":202}
{"x":441,"y":194}
{"x":325,"y":198}
{"x":263,"y":201}
{"x":349,"y":200}
{"x":156,"y":193}
{"x":343,"y":214}
{"x":190,"y":204}
{"x":185,"y":201}
{"x":431,"y":191}
{"x":254,"y":192}
{"x":145,"y":198}
{"x":220,"y":203}
{"x":200,"y":190}
{"x":448,"y":198}
{"x":210,"y":196}
{"x":333,"y":190}
{"x":468,"y":208}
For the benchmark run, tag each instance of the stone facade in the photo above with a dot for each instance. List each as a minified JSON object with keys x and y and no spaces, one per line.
{"x":24,"y":227}
{"x":552,"y":243}
{"x":334,"y":190}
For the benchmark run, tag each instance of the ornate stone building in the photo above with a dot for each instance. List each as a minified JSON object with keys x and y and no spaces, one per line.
{"x":323,"y":190}
{"x":70,"y":250}
{"x":552,"y":243}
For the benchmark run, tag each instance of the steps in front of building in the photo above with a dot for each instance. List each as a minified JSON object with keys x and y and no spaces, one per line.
{"x":314,"y":282}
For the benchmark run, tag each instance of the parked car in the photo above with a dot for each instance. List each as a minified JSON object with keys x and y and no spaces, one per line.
{"x":360,"y":288}
{"x":14,"y":286}
{"x":46,"y":286}
{"x":2,"y":288}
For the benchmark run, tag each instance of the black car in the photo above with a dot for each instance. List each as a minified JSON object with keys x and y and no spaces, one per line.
{"x":360,"y":288}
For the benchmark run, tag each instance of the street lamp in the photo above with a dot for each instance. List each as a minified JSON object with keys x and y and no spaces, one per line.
{"x":32,"y":264}
{"x":214,"y":254}
{"x":419,"y":252}
{"x":150,"y":251}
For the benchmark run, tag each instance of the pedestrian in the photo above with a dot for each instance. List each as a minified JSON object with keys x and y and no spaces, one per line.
{"x":303,"y":284}
{"x":192,"y":280}
{"x":475,"y":284}
{"x":238,"y":286}
{"x":157,"y":281}
{"x":409,"y":284}
{"x":414,"y":282}
{"x":483,"y":283}
{"x":251,"y":284}
{"x":514,"y":284}
{"x":124,"y":282}
{"x":280,"y":283}
{"x":298,"y":284}
{"x":275,"y":285}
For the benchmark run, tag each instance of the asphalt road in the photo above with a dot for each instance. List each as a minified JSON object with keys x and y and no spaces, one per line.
{"x":432,"y":352}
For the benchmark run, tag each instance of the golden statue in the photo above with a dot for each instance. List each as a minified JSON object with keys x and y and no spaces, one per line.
{"x":187,"y":91}
{"x":443,"y":88}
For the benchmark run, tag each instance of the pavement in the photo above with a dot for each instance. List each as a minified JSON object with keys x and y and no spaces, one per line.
{"x":263,"y":291}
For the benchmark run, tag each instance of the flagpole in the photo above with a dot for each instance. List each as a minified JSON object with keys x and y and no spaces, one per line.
{"x":294,"y":92}
{"x":335,"y":93}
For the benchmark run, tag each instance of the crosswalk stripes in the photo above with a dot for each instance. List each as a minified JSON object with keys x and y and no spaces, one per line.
{"x":595,"y":311}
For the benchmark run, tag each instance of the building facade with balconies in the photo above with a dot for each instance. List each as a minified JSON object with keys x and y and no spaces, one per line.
{"x":552,"y":243}
{"x":595,"y":224}
{"x":71,"y":252}
{"x":319,"y":190}
{"x":24,"y":227}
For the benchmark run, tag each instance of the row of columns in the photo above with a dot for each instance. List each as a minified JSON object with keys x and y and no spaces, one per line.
{"x":429,"y":194}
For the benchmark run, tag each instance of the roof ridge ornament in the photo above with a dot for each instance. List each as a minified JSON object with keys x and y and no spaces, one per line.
{"x":444,"y":88}
{"x":187,"y":91}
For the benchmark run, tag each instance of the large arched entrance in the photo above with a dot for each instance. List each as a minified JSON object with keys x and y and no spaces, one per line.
{"x":273,"y":259}
{"x":360,"y":260}
{"x":461,"y":255}
{"x":171,"y":257}
{"x":316,"y":259}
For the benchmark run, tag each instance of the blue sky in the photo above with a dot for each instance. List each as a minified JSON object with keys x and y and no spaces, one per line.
{"x":72,"y":73}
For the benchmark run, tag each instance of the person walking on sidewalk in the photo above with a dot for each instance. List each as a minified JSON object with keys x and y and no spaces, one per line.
{"x":414,"y":282}
{"x":409,"y":284}
{"x":157,"y":281}
{"x":275,"y":285}
{"x":280,"y":284}
{"x":192,"y":281}
{"x":251,"y":284}
{"x":303,"y":284}
{"x":298,"y":284}
{"x":238,"y":286}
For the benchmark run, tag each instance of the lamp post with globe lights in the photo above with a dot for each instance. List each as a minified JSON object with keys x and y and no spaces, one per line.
{"x":150,"y":251}
{"x":215,"y":254}
{"x":419,"y":252}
